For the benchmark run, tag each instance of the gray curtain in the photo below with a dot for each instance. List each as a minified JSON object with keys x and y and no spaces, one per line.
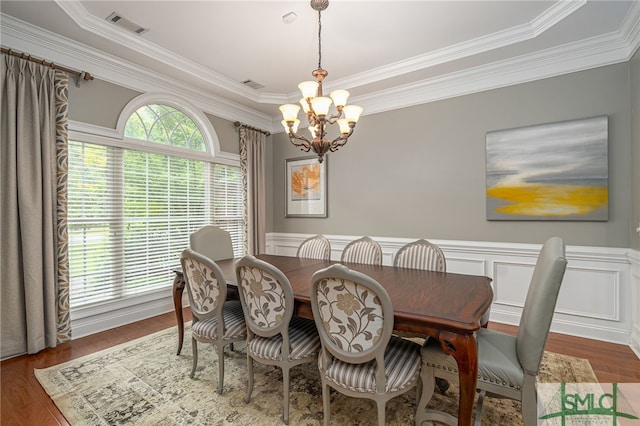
{"x":253,"y":164}
{"x":33,"y":162}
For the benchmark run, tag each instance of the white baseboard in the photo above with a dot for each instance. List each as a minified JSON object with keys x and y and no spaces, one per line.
{"x":94,"y":319}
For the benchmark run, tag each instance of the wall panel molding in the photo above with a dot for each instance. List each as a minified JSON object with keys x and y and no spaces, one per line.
{"x":596,"y":299}
{"x":634,"y":258}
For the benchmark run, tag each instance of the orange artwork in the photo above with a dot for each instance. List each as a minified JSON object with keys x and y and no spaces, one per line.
{"x":305,"y":182}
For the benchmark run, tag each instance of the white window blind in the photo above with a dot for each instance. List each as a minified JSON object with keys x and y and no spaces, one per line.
{"x":130,"y":212}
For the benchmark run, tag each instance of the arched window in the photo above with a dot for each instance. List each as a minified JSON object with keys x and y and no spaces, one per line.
{"x":164,"y":124}
{"x":134,"y":202}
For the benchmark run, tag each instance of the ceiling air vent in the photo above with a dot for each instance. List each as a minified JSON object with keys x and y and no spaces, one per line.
{"x":119,"y":20}
{"x":252,"y":84}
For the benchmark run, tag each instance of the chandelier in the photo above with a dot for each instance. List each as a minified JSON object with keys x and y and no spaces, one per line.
{"x":316,"y":106}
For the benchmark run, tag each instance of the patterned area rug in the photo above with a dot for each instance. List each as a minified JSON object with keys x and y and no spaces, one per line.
{"x":143,"y":382}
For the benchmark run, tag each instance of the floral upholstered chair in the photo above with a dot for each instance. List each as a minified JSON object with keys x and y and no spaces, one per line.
{"x":360,"y":357}
{"x":275,"y":336}
{"x":363,"y":250}
{"x":216,"y":320}
{"x":316,"y":247}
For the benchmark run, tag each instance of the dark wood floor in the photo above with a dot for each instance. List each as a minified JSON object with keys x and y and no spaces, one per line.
{"x":24,"y":402}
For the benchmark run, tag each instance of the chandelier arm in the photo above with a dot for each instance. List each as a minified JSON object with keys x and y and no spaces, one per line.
{"x":312,"y":118}
{"x":304,"y":145}
{"x":333,"y":119}
{"x":294,"y":136}
{"x":340,"y":141}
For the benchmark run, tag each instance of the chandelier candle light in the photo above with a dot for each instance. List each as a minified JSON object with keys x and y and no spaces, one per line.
{"x":316,"y":106}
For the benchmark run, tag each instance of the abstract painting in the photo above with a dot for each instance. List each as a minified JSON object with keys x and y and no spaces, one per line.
{"x":555,"y":171}
{"x":306,"y":187}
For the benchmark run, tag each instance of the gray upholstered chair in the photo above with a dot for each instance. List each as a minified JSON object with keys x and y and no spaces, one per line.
{"x":507,"y":365}
{"x":363,"y":250}
{"x":213,"y":242}
{"x":359,"y":355}
{"x":274,"y":336}
{"x":215,"y":320}
{"x":316,"y":247}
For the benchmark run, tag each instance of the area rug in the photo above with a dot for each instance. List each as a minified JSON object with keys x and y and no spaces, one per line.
{"x":143,"y":382}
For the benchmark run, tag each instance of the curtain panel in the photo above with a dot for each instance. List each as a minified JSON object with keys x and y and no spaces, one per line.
{"x":253,"y":165}
{"x":33,"y":159}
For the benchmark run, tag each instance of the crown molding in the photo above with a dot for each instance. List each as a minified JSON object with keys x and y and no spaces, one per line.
{"x":517,"y":34}
{"x":630,"y":28}
{"x":79,"y":14}
{"x":554,"y":14}
{"x":573,"y":57}
{"x":36,"y":41}
{"x":599,"y":51}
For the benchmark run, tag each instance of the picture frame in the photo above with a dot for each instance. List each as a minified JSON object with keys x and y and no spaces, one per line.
{"x":549,"y":172}
{"x":306,"y":187}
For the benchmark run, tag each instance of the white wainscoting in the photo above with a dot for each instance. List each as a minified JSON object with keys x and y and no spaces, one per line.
{"x":598,"y":298}
{"x":634,"y":258}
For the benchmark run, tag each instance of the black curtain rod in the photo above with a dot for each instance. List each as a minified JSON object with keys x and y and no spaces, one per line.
{"x":238,"y":124}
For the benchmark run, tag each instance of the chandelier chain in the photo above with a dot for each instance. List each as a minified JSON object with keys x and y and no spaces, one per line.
{"x":319,"y":40}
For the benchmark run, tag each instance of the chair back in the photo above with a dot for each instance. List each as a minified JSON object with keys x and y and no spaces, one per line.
{"x":213,"y":242}
{"x":316,"y":247}
{"x":421,"y":254}
{"x":206,"y":285}
{"x":540,"y":304}
{"x":363,"y":250}
{"x":353,"y":314}
{"x":266,"y":296}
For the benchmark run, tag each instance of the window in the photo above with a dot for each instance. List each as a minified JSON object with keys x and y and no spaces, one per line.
{"x":131,"y":209}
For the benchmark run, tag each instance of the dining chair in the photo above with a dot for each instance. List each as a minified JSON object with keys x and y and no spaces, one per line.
{"x":216,"y":320}
{"x":213,"y":242}
{"x":507,"y":365}
{"x":363,"y":250}
{"x":316,"y":247}
{"x":423,"y":254}
{"x":359,"y":357}
{"x":274,"y":335}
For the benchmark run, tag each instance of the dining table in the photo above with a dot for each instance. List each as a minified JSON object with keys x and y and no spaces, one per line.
{"x":441,"y":305}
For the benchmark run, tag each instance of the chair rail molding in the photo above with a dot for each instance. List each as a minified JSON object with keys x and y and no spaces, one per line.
{"x":599,"y":298}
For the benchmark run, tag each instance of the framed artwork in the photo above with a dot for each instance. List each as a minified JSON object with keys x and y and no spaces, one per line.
{"x":555,"y":171}
{"x":306,"y":187}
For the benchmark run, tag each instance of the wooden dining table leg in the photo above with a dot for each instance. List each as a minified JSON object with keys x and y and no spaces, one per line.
{"x":464,"y":349}
{"x":178,"y":289}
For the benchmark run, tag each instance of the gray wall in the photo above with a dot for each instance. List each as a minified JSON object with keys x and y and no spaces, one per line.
{"x":227,"y":134}
{"x":420,"y":171}
{"x":635,"y":149}
{"x":100,"y":103}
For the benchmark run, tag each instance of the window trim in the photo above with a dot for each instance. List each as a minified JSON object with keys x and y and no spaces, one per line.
{"x":93,"y":318}
{"x":212,"y":143}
